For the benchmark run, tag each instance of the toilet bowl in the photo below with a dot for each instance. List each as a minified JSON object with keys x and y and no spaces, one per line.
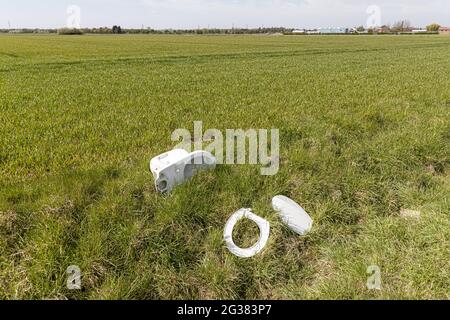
{"x":176,"y":166}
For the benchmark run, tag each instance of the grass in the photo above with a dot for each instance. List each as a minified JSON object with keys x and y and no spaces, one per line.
{"x":364,"y":125}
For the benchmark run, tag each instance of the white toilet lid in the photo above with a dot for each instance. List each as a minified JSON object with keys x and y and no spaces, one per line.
{"x":292,"y":214}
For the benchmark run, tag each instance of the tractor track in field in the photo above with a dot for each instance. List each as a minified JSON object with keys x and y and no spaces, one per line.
{"x":199,"y":58}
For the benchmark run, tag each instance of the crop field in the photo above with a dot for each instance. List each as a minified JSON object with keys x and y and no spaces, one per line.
{"x":364,"y":147}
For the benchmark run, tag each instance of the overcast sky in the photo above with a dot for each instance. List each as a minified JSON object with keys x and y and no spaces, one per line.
{"x":161,"y":14}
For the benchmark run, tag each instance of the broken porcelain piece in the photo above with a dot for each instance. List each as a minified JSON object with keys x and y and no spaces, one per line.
{"x":264,"y":229}
{"x":174,"y":167}
{"x":292,"y":214}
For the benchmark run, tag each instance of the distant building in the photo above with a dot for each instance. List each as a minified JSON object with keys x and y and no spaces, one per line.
{"x":313,"y":31}
{"x":384,"y":29}
{"x":444,"y":30}
{"x":333,"y":30}
{"x":298,"y":31}
{"x":419,"y":31}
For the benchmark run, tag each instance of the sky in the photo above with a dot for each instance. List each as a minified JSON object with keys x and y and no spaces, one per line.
{"x":192,"y":14}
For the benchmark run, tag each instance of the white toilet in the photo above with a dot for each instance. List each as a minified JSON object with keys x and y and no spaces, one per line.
{"x":176,"y":166}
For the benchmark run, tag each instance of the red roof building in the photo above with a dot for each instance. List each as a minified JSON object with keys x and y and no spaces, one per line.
{"x":444,"y":30}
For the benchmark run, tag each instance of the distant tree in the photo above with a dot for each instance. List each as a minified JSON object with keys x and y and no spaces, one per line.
{"x":116,"y":30}
{"x":102,"y":30}
{"x":433,"y":27}
{"x":69,"y":31}
{"x":361,"y":29}
{"x":401,"y":26}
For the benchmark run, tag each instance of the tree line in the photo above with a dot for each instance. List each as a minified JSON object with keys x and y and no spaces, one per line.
{"x":398,"y":27}
{"x":403,"y":26}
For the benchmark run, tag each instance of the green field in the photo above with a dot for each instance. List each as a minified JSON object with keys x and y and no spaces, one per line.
{"x":365,"y":133}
